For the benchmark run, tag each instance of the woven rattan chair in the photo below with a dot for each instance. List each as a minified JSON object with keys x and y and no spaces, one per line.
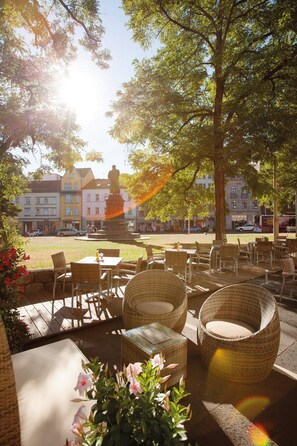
{"x":61,"y":272}
{"x":10,"y":434}
{"x":228,"y":255}
{"x":264,"y":251}
{"x":248,"y":354}
{"x":88,"y":278}
{"x":289,"y":275}
{"x":154,"y":260}
{"x":165,"y":295}
{"x":126,"y":271}
{"x":178,"y":263}
{"x":110,"y":252}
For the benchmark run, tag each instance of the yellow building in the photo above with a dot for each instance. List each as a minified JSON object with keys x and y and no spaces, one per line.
{"x":71,"y":196}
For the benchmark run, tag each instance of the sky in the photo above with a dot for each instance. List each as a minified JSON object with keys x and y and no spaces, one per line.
{"x":94,"y":124}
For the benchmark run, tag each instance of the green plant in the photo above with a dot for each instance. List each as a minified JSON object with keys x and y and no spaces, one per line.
{"x":131,"y":407}
{"x":12,"y":277}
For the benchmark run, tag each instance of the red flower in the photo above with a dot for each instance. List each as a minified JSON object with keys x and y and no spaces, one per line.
{"x":7,"y":280}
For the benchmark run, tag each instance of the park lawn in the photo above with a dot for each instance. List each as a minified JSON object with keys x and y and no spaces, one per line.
{"x":40,"y":249}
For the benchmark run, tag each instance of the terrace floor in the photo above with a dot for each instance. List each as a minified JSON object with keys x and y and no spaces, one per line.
{"x":223,"y":413}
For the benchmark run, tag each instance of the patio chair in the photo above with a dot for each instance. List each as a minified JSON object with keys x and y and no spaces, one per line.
{"x":203,"y":255}
{"x":110,"y":252}
{"x":155,"y":296}
{"x":61,"y":271}
{"x":126,"y":271}
{"x":264,"y":252}
{"x":179,"y":263}
{"x":228,"y":255}
{"x":244,"y":253}
{"x":88,"y":278}
{"x":154,"y":260}
{"x":289,"y":275}
{"x":239,"y":333}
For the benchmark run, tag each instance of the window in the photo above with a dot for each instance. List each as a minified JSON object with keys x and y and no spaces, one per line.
{"x":27,"y":212}
{"x":244,"y":192}
{"x":141,"y":214}
{"x":76,"y":211}
{"x":37,"y":211}
{"x":68,"y":198}
{"x":97,"y":197}
{"x":68,"y":211}
{"x":244,"y":204}
{"x":68,"y":186}
{"x":88,"y":197}
{"x":255,"y":204}
{"x":76,"y":199}
{"x":37,"y":200}
{"x":71,"y":175}
{"x":233,"y":190}
{"x":233,"y":204}
{"x":75,"y":186}
{"x":88,"y":211}
{"x":27,"y":200}
{"x":97,"y":211}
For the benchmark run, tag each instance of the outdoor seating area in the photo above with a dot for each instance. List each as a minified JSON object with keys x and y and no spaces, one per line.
{"x":223,"y":323}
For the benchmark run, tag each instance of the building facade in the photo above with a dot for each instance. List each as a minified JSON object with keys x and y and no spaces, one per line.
{"x":72,"y":184}
{"x":41,"y":205}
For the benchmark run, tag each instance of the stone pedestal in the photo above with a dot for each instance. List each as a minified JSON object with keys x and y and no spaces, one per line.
{"x":115,"y":223}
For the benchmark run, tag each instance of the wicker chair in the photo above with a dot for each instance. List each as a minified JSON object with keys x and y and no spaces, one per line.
{"x":10,"y":434}
{"x":228,"y":255}
{"x":289,"y":276}
{"x":110,"y":252}
{"x":178,"y":263}
{"x":155,"y":296}
{"x":154,"y":259}
{"x":248,"y":354}
{"x":88,"y":278}
{"x":61,"y":271}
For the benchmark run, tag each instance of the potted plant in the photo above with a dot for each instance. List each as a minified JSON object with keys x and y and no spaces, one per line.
{"x":131,"y":407}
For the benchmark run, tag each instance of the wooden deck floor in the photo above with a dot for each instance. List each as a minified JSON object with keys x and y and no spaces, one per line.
{"x":46,"y":318}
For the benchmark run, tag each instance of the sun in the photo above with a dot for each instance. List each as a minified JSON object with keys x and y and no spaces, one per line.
{"x":80,"y":92}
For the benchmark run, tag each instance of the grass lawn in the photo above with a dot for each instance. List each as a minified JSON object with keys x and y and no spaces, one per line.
{"x":41,"y":248}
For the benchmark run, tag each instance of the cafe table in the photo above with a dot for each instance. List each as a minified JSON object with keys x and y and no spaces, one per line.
{"x":108,"y":264}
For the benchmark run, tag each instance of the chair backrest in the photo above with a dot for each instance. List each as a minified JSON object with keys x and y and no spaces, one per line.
{"x":291,"y":243}
{"x":228,"y":251}
{"x":264,"y":246}
{"x":288,"y":265}
{"x":176,"y":259}
{"x":85,"y":272}
{"x":149,"y":251}
{"x":110,"y":252}
{"x":139,"y":264}
{"x":59,"y":260}
{"x":10,"y":434}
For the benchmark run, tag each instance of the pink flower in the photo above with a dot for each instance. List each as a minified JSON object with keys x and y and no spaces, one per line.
{"x":133,"y":370}
{"x":84,"y":383}
{"x":134,"y":387}
{"x":158,"y":361}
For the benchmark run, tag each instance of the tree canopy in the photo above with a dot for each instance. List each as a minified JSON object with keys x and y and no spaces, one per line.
{"x":37,"y":42}
{"x":219,"y":64}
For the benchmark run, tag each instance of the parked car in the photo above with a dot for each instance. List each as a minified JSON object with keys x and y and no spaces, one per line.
{"x":248,"y":227}
{"x":34,"y":233}
{"x":193,"y":229}
{"x":66,"y":232}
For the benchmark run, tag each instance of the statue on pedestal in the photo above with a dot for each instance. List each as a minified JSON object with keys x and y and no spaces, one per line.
{"x":113,"y":176}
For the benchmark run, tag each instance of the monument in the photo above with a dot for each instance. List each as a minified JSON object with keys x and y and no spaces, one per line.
{"x":115,"y":223}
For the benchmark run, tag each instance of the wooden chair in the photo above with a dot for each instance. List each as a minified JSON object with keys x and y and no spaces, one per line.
{"x":155,"y":296}
{"x":110,"y":252}
{"x":88,"y":278}
{"x":289,"y":275}
{"x":244,"y":253}
{"x":178,"y":263}
{"x":203,"y":255}
{"x":228,"y":254}
{"x":61,"y":271}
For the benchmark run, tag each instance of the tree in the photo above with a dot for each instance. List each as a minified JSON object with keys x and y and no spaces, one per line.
{"x":37,"y":42}
{"x":190,"y":102}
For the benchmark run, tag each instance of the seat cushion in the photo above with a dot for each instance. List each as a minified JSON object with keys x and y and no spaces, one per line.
{"x":229,"y":328}
{"x":159,"y":307}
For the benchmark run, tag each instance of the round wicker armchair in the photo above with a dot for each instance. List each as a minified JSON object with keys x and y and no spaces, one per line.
{"x":155,"y":296}
{"x":246,"y":356}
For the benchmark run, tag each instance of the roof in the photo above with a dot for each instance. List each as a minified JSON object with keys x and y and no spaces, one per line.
{"x":83,"y":171}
